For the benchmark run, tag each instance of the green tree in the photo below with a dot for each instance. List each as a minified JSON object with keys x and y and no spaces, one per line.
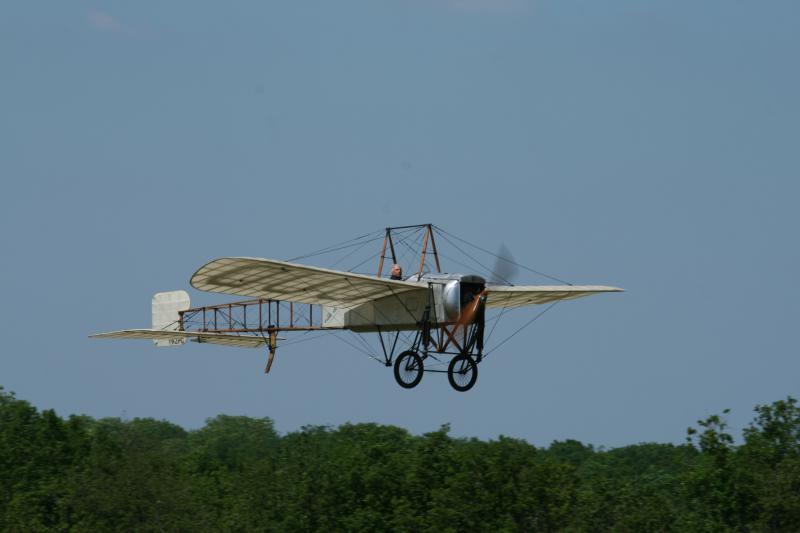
{"x":131,"y":479}
{"x":771,"y":455}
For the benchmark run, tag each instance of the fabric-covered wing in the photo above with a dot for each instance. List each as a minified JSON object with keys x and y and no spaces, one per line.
{"x":278,"y":280}
{"x":518,"y":296}
{"x":242,"y":341}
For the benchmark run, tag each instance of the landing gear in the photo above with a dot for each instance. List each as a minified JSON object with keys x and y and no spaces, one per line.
{"x":462,"y":372}
{"x":461,"y":338}
{"x":408,"y":369}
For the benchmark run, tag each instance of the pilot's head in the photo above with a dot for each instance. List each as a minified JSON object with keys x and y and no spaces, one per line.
{"x":397,"y":271}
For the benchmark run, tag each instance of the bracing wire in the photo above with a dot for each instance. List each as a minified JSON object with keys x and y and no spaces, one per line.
{"x":525,"y":325}
{"x":368,"y":354}
{"x":496,"y":321}
{"x":502,"y":258}
{"x":487,"y":271}
{"x":373,"y":256}
{"x":412,"y":249}
{"x":351,"y":253}
{"x":339,"y":246}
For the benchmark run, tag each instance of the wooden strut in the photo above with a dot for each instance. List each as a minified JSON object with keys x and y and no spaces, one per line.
{"x":435,"y":252}
{"x":387,"y":239}
{"x":383,"y":253}
{"x":429,"y":236}
{"x":424,"y":250}
{"x":467,"y":315}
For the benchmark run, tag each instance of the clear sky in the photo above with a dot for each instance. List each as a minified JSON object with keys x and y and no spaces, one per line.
{"x":649,"y":145}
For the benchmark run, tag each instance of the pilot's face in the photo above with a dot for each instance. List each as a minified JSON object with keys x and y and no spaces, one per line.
{"x":396,"y":270}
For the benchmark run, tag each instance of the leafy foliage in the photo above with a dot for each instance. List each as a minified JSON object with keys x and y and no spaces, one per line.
{"x":239,"y":474}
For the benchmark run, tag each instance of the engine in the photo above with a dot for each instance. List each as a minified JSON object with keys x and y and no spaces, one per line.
{"x":458,"y":291}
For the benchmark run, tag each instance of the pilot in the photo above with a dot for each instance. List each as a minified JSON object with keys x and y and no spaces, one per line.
{"x":397,"y":272}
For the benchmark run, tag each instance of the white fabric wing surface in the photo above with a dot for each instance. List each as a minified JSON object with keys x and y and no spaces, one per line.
{"x":277,"y":280}
{"x":518,"y":296}
{"x":242,"y":341}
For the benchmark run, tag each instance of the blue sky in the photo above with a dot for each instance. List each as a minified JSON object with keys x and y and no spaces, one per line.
{"x":649,"y":145}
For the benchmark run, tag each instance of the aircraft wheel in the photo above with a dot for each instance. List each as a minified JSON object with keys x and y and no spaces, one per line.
{"x":408,"y":369}
{"x":462,"y":373}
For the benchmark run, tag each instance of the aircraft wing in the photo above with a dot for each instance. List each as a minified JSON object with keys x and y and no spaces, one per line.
{"x":277,"y":280}
{"x":180,"y":337}
{"x":518,"y":296}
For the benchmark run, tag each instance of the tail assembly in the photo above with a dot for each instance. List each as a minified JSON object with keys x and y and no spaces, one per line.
{"x":166,"y":306}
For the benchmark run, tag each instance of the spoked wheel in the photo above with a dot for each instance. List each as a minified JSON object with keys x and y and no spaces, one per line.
{"x":462,"y":373}
{"x":408,"y":369}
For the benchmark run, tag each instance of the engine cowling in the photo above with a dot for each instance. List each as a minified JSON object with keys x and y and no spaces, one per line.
{"x":451,"y":300}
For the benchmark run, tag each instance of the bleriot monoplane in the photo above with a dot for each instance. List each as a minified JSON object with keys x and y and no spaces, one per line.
{"x":440,"y":316}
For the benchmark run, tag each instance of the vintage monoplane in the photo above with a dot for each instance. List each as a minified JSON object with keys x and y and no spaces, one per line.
{"x":443,"y":315}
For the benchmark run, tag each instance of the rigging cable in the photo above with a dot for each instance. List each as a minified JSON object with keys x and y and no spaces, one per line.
{"x":338,"y":246}
{"x":525,"y":325}
{"x":351,"y":253}
{"x":503,"y":258}
{"x":490,"y":272}
{"x":355,"y":347}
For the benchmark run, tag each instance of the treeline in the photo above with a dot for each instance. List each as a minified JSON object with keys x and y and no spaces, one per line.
{"x":239,"y":474}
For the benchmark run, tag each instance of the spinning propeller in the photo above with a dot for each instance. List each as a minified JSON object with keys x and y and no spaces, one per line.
{"x":505,"y":268}
{"x":504,"y":272}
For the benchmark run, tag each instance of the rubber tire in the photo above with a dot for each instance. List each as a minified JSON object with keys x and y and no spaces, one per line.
{"x":473,"y":369}
{"x":417,"y":361}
